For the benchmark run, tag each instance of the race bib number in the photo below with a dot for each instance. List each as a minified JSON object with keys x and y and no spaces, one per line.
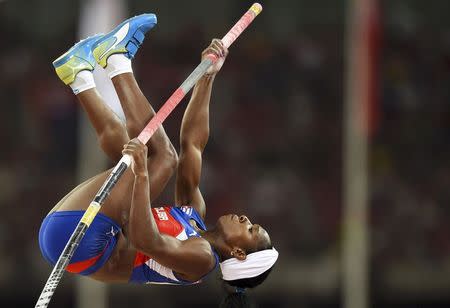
{"x":162,"y":215}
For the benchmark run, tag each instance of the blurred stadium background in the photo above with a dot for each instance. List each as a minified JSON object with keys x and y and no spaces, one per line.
{"x":278,"y":134}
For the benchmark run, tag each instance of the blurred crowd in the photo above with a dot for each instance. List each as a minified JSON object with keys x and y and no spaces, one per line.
{"x":275,"y":151}
{"x":410,"y":163}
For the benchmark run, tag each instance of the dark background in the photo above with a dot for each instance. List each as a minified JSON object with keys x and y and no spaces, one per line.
{"x":275,"y":146}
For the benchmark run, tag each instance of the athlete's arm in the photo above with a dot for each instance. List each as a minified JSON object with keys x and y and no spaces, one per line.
{"x":195,"y":133}
{"x":192,"y":258}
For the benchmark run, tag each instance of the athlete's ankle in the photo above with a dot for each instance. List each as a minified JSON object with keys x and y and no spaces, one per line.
{"x":84,"y":80}
{"x":118,"y":64}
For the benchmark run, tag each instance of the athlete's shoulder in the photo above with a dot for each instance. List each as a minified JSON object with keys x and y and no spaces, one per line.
{"x":200,"y":245}
{"x":205,"y":257}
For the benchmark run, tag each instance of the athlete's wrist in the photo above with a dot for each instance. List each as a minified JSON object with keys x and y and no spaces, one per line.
{"x":141,"y":175}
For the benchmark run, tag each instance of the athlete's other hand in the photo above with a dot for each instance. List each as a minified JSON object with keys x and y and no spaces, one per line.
{"x":220,"y":51}
{"x":138,"y":152}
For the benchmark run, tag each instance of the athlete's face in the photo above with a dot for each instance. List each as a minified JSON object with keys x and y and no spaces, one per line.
{"x":238,"y":231}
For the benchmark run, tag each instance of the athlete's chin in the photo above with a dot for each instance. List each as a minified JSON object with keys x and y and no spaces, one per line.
{"x":223,"y":221}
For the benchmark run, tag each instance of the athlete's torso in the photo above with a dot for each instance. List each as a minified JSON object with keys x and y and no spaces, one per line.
{"x":123,"y":264}
{"x":176,"y":222}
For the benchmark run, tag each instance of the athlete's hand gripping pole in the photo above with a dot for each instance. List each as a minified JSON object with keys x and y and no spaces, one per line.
{"x":124,"y":163}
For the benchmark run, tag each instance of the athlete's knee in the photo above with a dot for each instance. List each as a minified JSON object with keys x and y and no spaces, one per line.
{"x":134,"y":128}
{"x":111,"y":135}
{"x":167,"y":154}
{"x":171,"y":156}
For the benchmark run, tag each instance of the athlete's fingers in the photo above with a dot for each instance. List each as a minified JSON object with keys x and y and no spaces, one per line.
{"x":217,"y":41}
{"x":211,"y":50}
{"x":218,"y":45}
{"x":135,"y":144}
{"x":221,"y":46}
{"x":135,"y":148}
{"x":217,"y":48}
{"x":138,"y":158}
{"x":222,"y":50}
{"x":132,"y":152}
{"x":135,"y":141}
{"x":132,"y":146}
{"x":225,"y":51}
{"x":138,"y":162}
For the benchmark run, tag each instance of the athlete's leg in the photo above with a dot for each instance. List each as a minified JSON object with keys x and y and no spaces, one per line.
{"x":163,"y":157}
{"x":195,"y":133}
{"x":111,"y":132}
{"x":75,"y":68}
{"x":137,"y":109}
{"x":138,"y":113}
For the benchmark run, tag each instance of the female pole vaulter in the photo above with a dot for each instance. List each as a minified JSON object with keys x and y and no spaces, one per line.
{"x":129,"y":241}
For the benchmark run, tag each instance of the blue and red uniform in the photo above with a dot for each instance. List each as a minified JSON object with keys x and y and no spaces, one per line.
{"x":102,"y":235}
{"x":174,"y":221}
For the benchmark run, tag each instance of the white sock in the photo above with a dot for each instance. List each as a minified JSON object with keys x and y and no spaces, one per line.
{"x":118,"y":64}
{"x":84,"y":80}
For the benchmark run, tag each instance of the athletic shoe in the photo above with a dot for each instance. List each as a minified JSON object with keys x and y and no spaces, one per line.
{"x":76,"y":59}
{"x":126,"y":38}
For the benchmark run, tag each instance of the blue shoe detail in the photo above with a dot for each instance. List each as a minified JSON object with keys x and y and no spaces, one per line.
{"x":76,"y":59}
{"x":126,"y":38}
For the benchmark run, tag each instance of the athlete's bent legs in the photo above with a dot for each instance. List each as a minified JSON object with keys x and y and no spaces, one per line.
{"x":75,"y":69}
{"x":112,"y":134}
{"x":138,"y":112}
